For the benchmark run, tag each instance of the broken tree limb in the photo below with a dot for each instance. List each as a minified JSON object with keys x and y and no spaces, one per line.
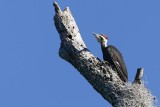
{"x":138,"y":76}
{"x":99,"y":74}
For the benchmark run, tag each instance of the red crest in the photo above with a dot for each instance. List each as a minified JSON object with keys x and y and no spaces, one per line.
{"x":105,"y":36}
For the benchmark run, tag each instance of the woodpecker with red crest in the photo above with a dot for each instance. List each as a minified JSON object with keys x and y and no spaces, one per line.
{"x":113,"y":56}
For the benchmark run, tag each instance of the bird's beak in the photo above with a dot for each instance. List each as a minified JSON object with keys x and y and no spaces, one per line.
{"x":96,"y":35}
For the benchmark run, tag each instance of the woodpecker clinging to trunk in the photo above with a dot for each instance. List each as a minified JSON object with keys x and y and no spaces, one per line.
{"x":113,"y":56}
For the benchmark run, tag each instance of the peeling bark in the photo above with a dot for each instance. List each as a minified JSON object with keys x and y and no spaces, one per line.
{"x":99,"y":74}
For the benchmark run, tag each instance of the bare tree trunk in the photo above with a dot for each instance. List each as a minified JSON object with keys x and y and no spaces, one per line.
{"x":98,"y":73}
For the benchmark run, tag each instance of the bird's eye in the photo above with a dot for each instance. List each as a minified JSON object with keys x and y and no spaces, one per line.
{"x":101,"y":39}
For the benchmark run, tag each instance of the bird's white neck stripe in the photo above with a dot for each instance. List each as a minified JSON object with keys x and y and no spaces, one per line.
{"x":104,"y":44}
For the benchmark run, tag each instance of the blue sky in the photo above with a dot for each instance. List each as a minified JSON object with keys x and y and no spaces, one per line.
{"x":33,"y":75}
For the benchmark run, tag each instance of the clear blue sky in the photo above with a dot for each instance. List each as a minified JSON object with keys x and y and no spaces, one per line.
{"x":33,"y":75}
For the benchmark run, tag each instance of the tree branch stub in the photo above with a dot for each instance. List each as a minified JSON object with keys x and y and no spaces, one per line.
{"x":139,"y":76}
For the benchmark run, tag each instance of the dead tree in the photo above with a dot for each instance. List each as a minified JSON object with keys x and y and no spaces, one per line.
{"x":99,"y":74}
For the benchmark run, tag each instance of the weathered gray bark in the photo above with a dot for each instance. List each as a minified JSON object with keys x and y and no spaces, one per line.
{"x":98,"y":73}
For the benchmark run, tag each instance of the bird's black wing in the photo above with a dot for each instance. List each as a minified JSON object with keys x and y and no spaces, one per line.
{"x":118,"y":62}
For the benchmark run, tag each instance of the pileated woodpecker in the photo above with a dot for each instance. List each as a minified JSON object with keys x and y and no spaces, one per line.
{"x":113,"y":56}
